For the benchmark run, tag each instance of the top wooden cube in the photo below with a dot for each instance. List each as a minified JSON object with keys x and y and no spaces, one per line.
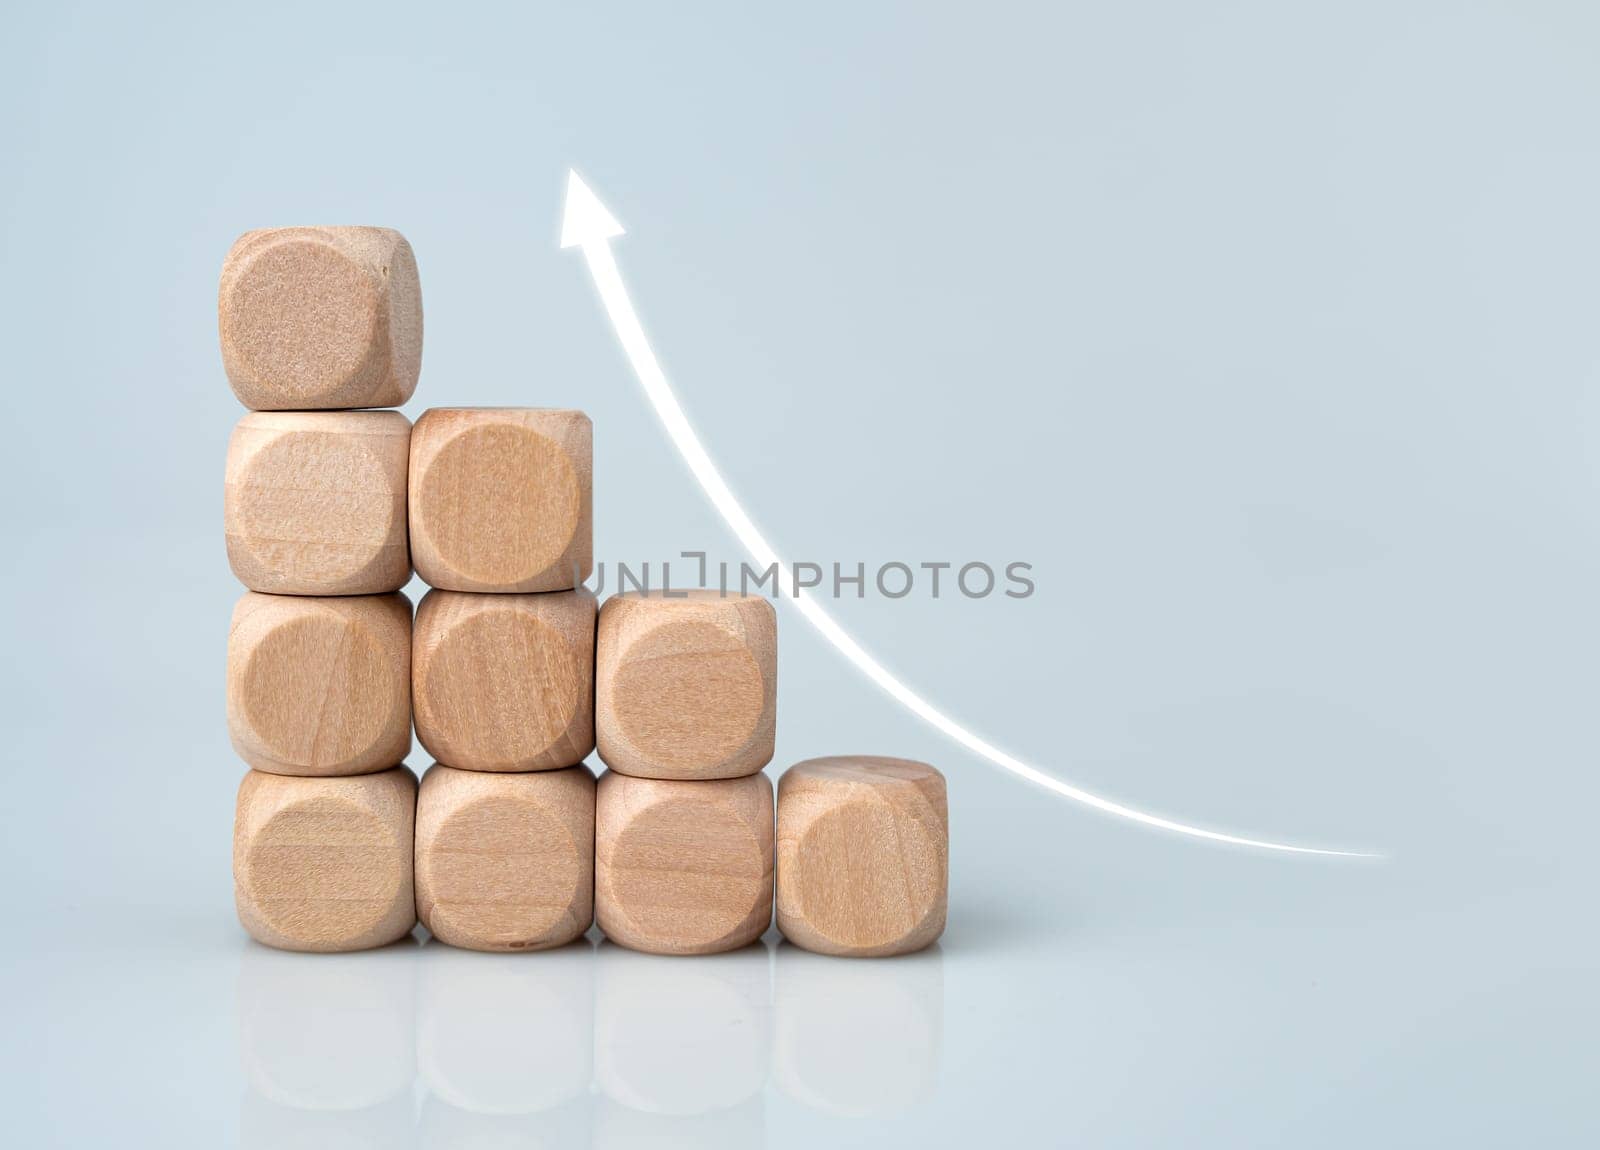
{"x":863,"y":855}
{"x":500,"y":499}
{"x":686,"y":684}
{"x":318,"y":318}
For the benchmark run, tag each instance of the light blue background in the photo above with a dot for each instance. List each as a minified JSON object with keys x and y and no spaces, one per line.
{"x":1266,"y":332}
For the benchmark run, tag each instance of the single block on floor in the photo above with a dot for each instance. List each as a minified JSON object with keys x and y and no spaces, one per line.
{"x":325,"y":864}
{"x":505,"y":862}
{"x":501,"y":499}
{"x":863,"y":855}
{"x":683,"y":867}
{"x":686,"y":687}
{"x":505,"y":682}
{"x":320,"y":686}
{"x":320,"y":318}
{"x":314,"y":503}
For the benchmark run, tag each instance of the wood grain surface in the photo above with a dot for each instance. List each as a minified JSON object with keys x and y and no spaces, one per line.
{"x":501,"y":499}
{"x":321,"y":317}
{"x":686,"y":688}
{"x":320,"y":686}
{"x":863,"y":855}
{"x":683,"y":867}
{"x":504,"y":682}
{"x":505,"y":862}
{"x":325,"y":864}
{"x":314,"y":503}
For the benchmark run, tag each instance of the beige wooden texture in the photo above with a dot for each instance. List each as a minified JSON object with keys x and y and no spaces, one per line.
{"x":325,"y":864}
{"x":683,"y":867}
{"x":501,"y":499}
{"x":319,"y":318}
{"x":686,"y":688}
{"x":505,"y":862}
{"x":320,"y":686}
{"x":314,"y":503}
{"x":863,"y":855}
{"x":504,"y":682}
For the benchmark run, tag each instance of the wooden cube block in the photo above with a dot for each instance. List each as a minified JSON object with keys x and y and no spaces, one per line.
{"x":863,"y":855}
{"x":501,"y":500}
{"x":317,"y":318}
{"x":504,"y":682}
{"x":315,"y":502}
{"x":505,"y":862}
{"x":683,"y":867}
{"x":320,"y":686}
{"x":686,"y":688}
{"x":325,"y":864}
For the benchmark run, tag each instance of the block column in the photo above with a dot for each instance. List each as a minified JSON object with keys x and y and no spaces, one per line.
{"x":686,"y":715}
{"x":315,"y":322}
{"x":502,"y":668}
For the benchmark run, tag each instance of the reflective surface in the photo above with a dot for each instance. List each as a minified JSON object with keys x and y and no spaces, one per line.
{"x":588,"y":1045}
{"x":1237,"y":1005}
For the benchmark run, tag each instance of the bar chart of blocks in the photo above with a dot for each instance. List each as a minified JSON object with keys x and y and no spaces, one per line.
{"x":509,"y":671}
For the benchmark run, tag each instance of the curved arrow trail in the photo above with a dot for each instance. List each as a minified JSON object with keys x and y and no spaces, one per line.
{"x":588,"y":225}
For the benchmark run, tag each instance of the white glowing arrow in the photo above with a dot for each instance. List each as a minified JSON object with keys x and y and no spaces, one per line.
{"x":588,"y":225}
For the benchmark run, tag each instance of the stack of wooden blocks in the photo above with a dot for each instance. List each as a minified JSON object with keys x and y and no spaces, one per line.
{"x":510,"y":673}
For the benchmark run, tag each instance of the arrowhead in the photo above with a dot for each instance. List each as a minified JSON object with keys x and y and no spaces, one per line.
{"x":585,"y":219}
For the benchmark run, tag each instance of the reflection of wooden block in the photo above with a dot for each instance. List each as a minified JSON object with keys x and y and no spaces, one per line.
{"x":498,"y":1035}
{"x":315,"y":502}
{"x":445,"y":1125}
{"x":853,"y":1040}
{"x":686,"y":688}
{"x":621,"y":1127}
{"x":505,"y":682}
{"x":320,"y":686}
{"x":718,"y":1010}
{"x":341,"y":1037}
{"x":683,"y":867}
{"x":500,"y":499}
{"x":505,"y":862}
{"x":316,"y":318}
{"x":267,"y":1125}
{"x":863,"y":855}
{"x":325,"y":864}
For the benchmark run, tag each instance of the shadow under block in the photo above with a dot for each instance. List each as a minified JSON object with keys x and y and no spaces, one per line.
{"x":314,"y":503}
{"x":686,"y":688}
{"x":320,"y":318}
{"x":505,"y":862}
{"x":325,"y":864}
{"x":504,"y":682}
{"x":863,"y":855}
{"x":683,"y":867}
{"x":501,"y":499}
{"x":320,"y":686}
